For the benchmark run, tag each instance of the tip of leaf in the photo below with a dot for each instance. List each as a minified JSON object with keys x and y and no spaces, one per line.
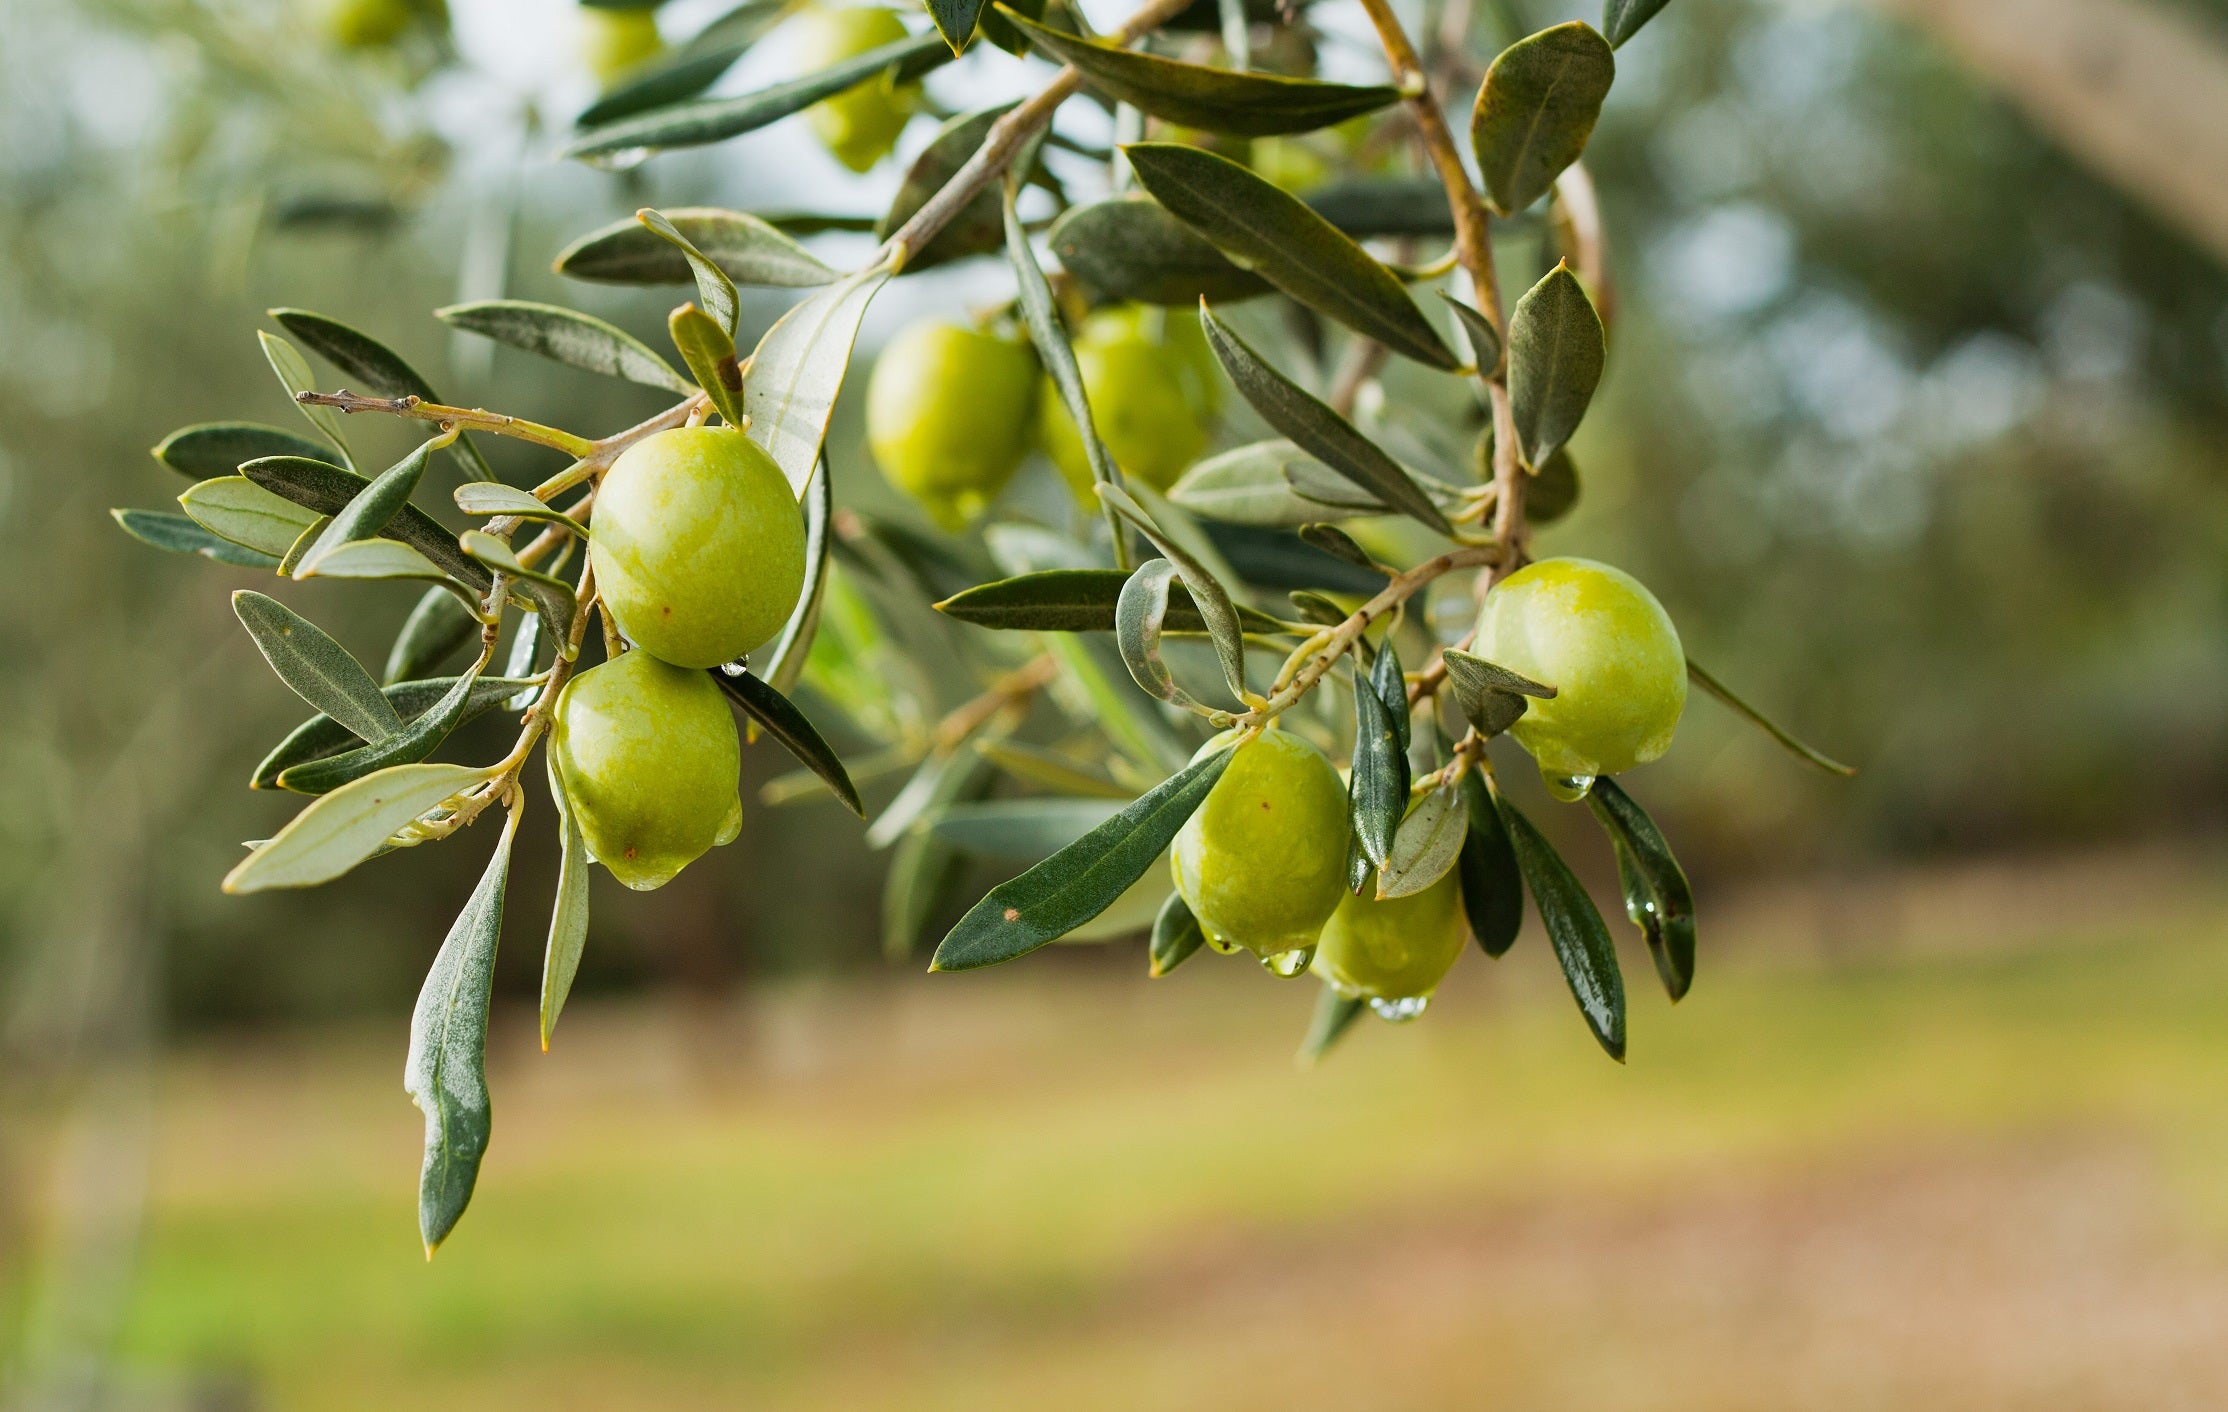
{"x":933,"y":967}
{"x":430,"y":1247}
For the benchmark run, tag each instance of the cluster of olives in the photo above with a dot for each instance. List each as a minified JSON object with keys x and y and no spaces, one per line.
{"x":698,"y":553}
{"x":1263,"y":863}
{"x":953,"y":411}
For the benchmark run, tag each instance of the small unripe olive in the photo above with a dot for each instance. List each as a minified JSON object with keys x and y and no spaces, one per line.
{"x":1397,"y":949}
{"x":1602,"y":640}
{"x":1263,"y":863}
{"x":650,"y":761}
{"x":1154,"y":392}
{"x":698,"y":545}
{"x":949,"y":411}
{"x":367,"y":24}
{"x":615,"y":43}
{"x":860,"y":125}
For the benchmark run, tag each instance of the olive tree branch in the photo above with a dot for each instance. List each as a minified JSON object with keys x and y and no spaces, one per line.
{"x":477,"y":418}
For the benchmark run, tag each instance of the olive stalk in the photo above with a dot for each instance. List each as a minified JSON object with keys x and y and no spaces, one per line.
{"x":452,"y":418}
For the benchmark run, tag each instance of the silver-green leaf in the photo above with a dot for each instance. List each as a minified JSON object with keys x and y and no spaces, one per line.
{"x":1536,"y":109}
{"x":318,"y":669}
{"x":565,"y":336}
{"x":1556,"y":355}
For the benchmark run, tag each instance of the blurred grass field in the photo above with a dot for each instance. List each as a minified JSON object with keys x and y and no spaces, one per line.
{"x":1977,"y":1160}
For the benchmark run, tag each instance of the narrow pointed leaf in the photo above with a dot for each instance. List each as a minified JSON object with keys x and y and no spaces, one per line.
{"x":691,"y":69}
{"x":978,"y":228}
{"x":1763,"y":723}
{"x":1315,"y":428}
{"x":490,"y":497}
{"x":1076,"y":600}
{"x":319,"y":670}
{"x":1130,"y":247}
{"x":713,"y":286}
{"x":1492,"y":884}
{"x":1429,"y":841}
{"x":437,"y":626}
{"x":562,"y":335}
{"x":326,"y":490}
{"x":1176,"y":935}
{"x":568,"y":918}
{"x":785,"y":723}
{"x":378,"y":368}
{"x":446,"y":1072}
{"x":369,"y":512}
{"x":1199,"y":96}
{"x":750,"y":251}
{"x":1657,"y":896}
{"x":213,"y":449}
{"x":1377,"y":790}
{"x":1082,"y":880}
{"x":1339,"y":544}
{"x":407,"y":746}
{"x":1536,"y":109}
{"x":1485,"y":340}
{"x":785,"y":660}
{"x":294,"y":375}
{"x":1317,"y":609}
{"x":237,"y":509}
{"x":1621,"y":19}
{"x":798,"y":369}
{"x":1574,"y":926}
{"x":1249,"y":485}
{"x":1055,"y":352}
{"x":321,"y":736}
{"x":1138,"y":618}
{"x":167,"y":529}
{"x":1556,"y":354}
{"x":710,"y":355}
{"x":384,"y":559}
{"x":1277,"y":236}
{"x":1334,"y":1016}
{"x":1211,"y":598}
{"x":341,"y":829}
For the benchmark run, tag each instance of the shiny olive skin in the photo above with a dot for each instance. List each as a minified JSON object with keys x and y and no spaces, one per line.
{"x":650,"y":762}
{"x":1154,"y":390}
{"x":1602,"y":640}
{"x":615,"y":43}
{"x":698,"y":545}
{"x":860,"y":125}
{"x":949,"y":411}
{"x":1396,"y":949}
{"x":1263,"y":863}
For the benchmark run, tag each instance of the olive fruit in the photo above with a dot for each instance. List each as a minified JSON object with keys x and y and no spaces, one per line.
{"x":1393,"y":950}
{"x":1154,"y":391}
{"x":649,"y":759}
{"x":860,"y":125}
{"x":949,"y":411}
{"x":367,"y":24}
{"x":698,"y":545}
{"x":1602,"y":640}
{"x":1263,"y":863}
{"x":616,"y":42}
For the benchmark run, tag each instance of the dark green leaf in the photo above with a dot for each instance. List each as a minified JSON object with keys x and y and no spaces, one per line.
{"x":167,"y":529}
{"x":1621,"y":19}
{"x":446,"y":1073}
{"x":1485,"y":340}
{"x":1367,"y":207}
{"x":1492,"y":885}
{"x":321,"y":736}
{"x":1274,"y":234}
{"x":749,"y":249}
{"x":379,"y":368}
{"x":713,"y":286}
{"x":1021,"y":830}
{"x":411,"y":744}
{"x":1391,"y":686}
{"x":696,"y":66}
{"x":1490,"y":696}
{"x":1315,"y":428}
{"x":220,"y":448}
{"x":1334,"y":1015}
{"x":319,"y":670}
{"x":1317,"y":609}
{"x":955,"y":20}
{"x":567,"y":337}
{"x":1556,"y":355}
{"x":370,"y":512}
{"x":978,"y":228}
{"x":1198,"y":96}
{"x":708,"y":120}
{"x":568,"y":918}
{"x":1280,"y":560}
{"x":1657,"y":896}
{"x":326,"y":490}
{"x":1130,"y":247}
{"x":1076,"y":600}
{"x":1082,"y":880}
{"x":1536,"y":109}
{"x":1377,"y":790}
{"x":1338,"y":543}
{"x":1553,"y":489}
{"x":1757,"y":718}
{"x":785,"y":723}
{"x":1176,"y":935}
{"x":436,"y":627}
{"x":1581,"y":940}
{"x":339,"y":830}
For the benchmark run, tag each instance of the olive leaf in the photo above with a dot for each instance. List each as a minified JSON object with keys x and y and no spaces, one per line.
{"x":1492,"y":884}
{"x":1334,"y":1016}
{"x":798,"y":369}
{"x":565,"y":336}
{"x":167,"y":529}
{"x":1371,"y":206}
{"x":1556,"y":354}
{"x":749,"y":249}
{"x":1377,"y":790}
{"x":955,"y":20}
{"x":978,"y":228}
{"x":407,"y":746}
{"x":1485,"y":339}
{"x":1021,"y":830}
{"x":689,"y":70}
{"x":339,"y":830}
{"x":1077,"y":600}
{"x":1058,"y":357}
{"x":212,"y":449}
{"x":1199,"y":96}
{"x":1213,"y":600}
{"x":1574,"y":927}
{"x":785,"y":660}
{"x":1266,"y":230}
{"x":1758,"y":719}
{"x":708,"y":120}
{"x":446,"y":1071}
{"x":237,"y":509}
{"x":1130,"y":247}
{"x":552,"y":596}
{"x":1429,"y":841}
{"x":1083,"y":879}
{"x":1553,"y":489}
{"x":1338,"y":543}
{"x":386,"y":559}
{"x":318,"y":669}
{"x":294,"y":375}
{"x":369,"y":511}
{"x":1317,"y":609}
{"x":488,"y":497}
{"x":1280,"y":560}
{"x":1176,"y":935}
{"x":710,"y":355}
{"x":1657,"y":897}
{"x":1490,"y":696}
{"x":1253,"y":485}
{"x":713,"y":286}
{"x":321,"y":737}
{"x":1138,"y":618}
{"x":1536,"y":109}
{"x":1621,"y":19}
{"x":437,"y":626}
{"x":785,"y":723}
{"x":379,"y":368}
{"x":568,"y":918}
{"x":326,"y":490}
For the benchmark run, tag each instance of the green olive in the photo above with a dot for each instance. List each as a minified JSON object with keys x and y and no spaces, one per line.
{"x":698,"y":545}
{"x":860,"y":125}
{"x":948,"y":416}
{"x":1263,"y":863}
{"x":650,"y":761}
{"x":1154,"y":391}
{"x":1397,"y":949}
{"x":1602,"y":640}
{"x":616,"y":42}
{"x":367,"y":24}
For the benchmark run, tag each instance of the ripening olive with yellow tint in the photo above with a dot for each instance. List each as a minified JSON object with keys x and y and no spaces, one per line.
{"x":1262,"y":864}
{"x":1154,"y":390}
{"x":377,"y":24}
{"x":650,"y":762}
{"x":1602,"y":640}
{"x":698,"y":545}
{"x":616,"y":42}
{"x":1396,"y":949}
{"x":949,"y":413}
{"x":860,"y":125}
